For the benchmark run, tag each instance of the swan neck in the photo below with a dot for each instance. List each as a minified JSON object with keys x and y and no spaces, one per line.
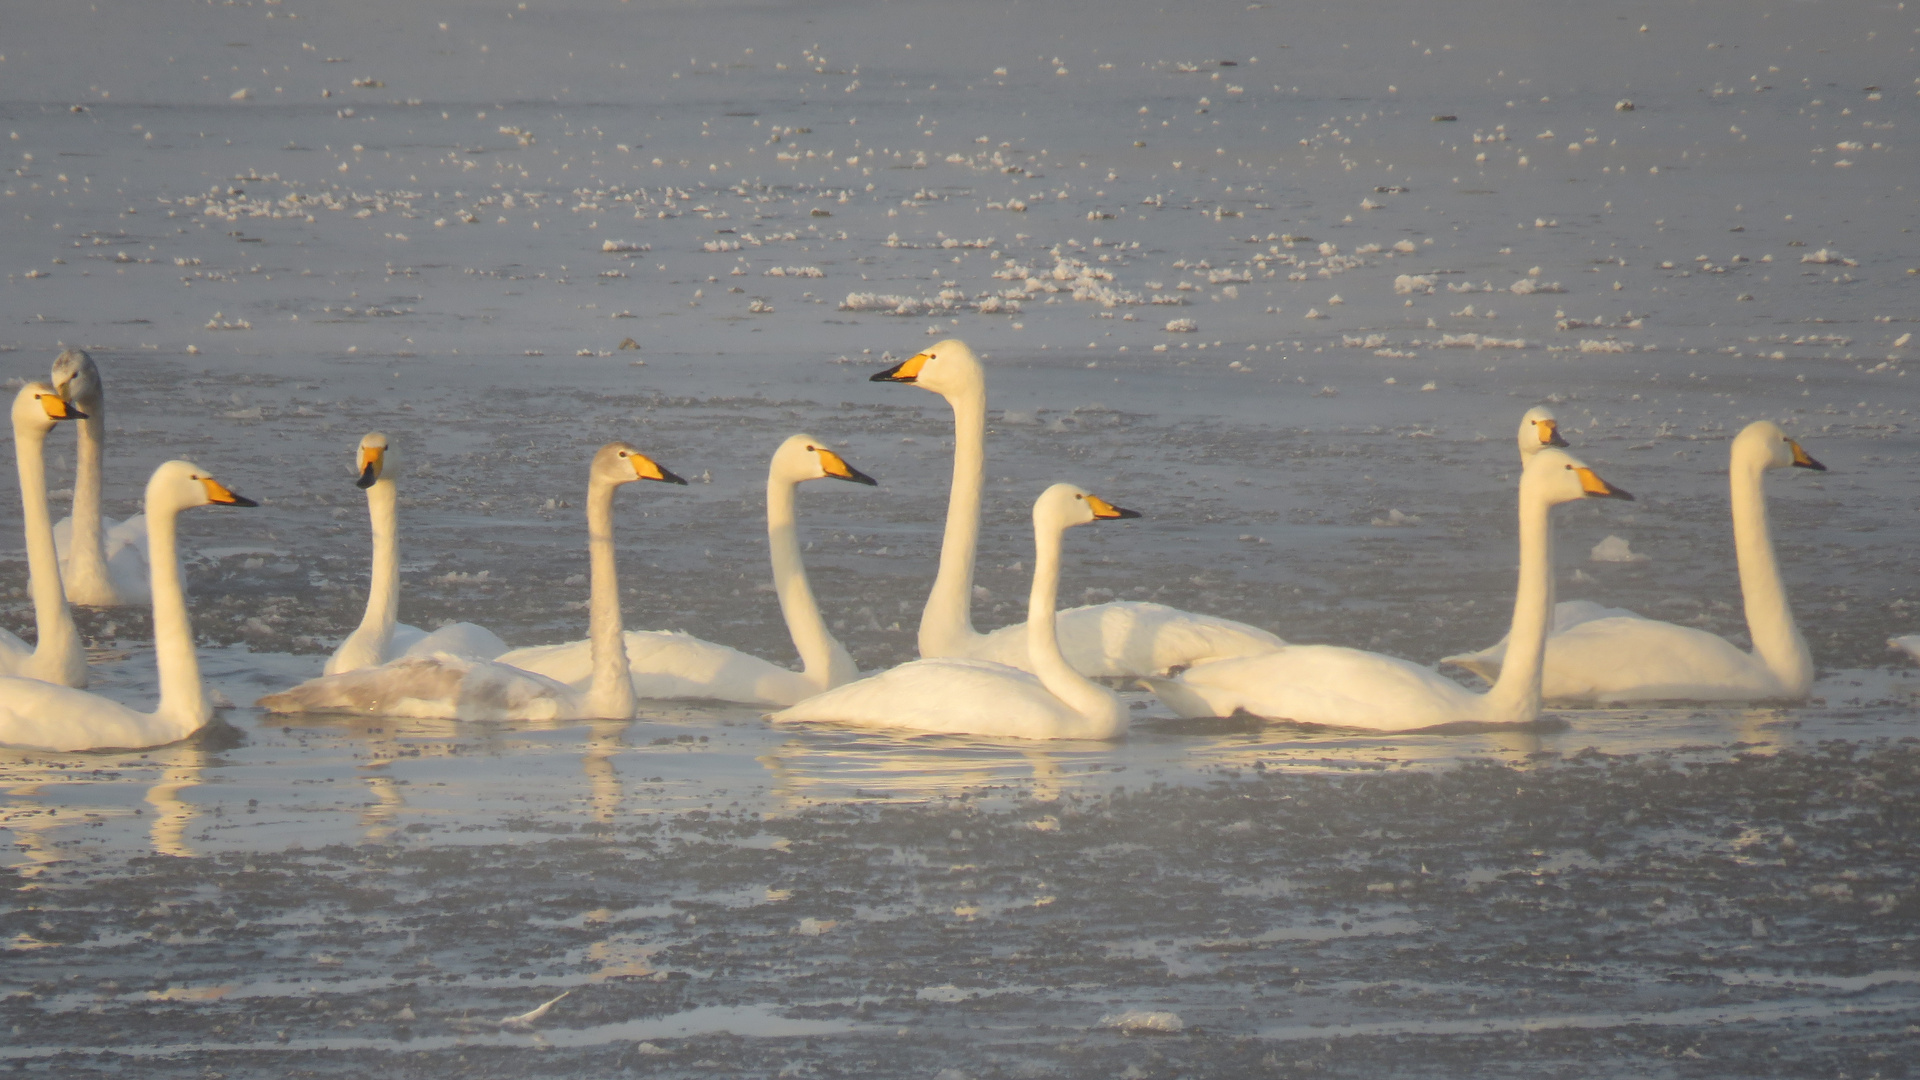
{"x":946,"y":626}
{"x":1776,"y":639}
{"x":58,"y":656}
{"x":1515,"y":696}
{"x":825,"y":662}
{"x":182,"y":698}
{"x":610,"y":693}
{"x":383,"y":587}
{"x":88,"y":542}
{"x":1043,"y":645}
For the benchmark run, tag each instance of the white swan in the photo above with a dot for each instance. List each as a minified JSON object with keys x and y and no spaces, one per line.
{"x":1613,"y":655}
{"x":962,"y":696}
{"x":1119,"y":638}
{"x":103,"y":562}
{"x":379,"y":638}
{"x":448,"y":687}
{"x":1328,"y":684}
{"x":669,"y":664}
{"x":1906,"y":643}
{"x":49,"y":717}
{"x":58,"y":656}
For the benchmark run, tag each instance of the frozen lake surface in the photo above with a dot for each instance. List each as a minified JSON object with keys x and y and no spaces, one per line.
{"x":1282,"y":279}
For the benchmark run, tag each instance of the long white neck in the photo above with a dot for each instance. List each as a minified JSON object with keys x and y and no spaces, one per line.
{"x":1776,"y":640}
{"x":825,"y":661}
{"x":87,"y":551}
{"x":57,"y":653}
{"x":368,"y":644}
{"x":1515,"y":696}
{"x":946,"y":625}
{"x":610,"y":693}
{"x":1079,"y":693}
{"x":182,"y":699}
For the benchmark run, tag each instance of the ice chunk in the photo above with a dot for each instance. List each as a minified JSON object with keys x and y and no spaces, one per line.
{"x":1614,"y":549}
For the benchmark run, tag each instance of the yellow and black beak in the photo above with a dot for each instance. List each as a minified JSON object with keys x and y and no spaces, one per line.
{"x":648,"y":469}
{"x":1549,"y":433}
{"x":1104,"y":510}
{"x":220,"y":495}
{"x":59,"y":408}
{"x":836,"y":466}
{"x":1804,"y":460}
{"x":906,"y":371}
{"x":1597,"y":488}
{"x":371,"y":460}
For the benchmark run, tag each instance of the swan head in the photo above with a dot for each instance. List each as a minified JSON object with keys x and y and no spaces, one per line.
{"x":947,"y":369}
{"x":804,"y":457}
{"x":182,"y":485}
{"x":370,"y":459}
{"x":1559,"y":477}
{"x":620,"y":463}
{"x":1765,"y":443}
{"x":78,"y":380}
{"x":1538,"y":428}
{"x":38,"y":407}
{"x":1064,"y":506}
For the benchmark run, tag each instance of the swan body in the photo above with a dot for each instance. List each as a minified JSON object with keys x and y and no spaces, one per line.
{"x":444,"y":685}
{"x":49,"y":717}
{"x":1613,"y":655}
{"x":671,"y":664}
{"x":964,"y":696}
{"x":379,"y":637}
{"x":1342,"y":687}
{"x":59,"y":657}
{"x":103,"y":562}
{"x":1116,"y":639}
{"x":1906,"y":643}
{"x":1131,"y":637}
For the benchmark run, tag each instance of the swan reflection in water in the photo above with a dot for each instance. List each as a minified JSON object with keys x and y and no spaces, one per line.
{"x":181,"y":767}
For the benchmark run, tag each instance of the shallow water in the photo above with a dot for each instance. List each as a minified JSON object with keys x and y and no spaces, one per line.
{"x":1692,"y":891}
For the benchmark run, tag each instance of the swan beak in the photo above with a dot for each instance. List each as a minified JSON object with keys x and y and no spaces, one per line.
{"x":1550,"y":433}
{"x":372,"y":458}
{"x":836,"y":466}
{"x":905,"y":371}
{"x":1597,"y":488}
{"x":647,"y":469}
{"x":1804,"y":460}
{"x":1102,"y":509}
{"x":59,"y":408}
{"x":218,"y":494}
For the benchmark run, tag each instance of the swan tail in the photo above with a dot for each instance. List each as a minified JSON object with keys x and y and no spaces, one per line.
{"x":1485,"y":663}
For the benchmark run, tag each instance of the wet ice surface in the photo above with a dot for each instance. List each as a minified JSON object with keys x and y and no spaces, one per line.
{"x":1674,"y":892}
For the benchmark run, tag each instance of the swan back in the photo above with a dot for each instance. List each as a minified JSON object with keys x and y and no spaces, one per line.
{"x":1538,"y":429}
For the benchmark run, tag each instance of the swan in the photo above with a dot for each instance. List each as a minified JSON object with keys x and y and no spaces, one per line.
{"x":48,"y":717}
{"x":668,"y":664}
{"x":1613,"y":655}
{"x":58,"y":656}
{"x":1119,"y":638}
{"x":444,"y":686}
{"x":966,"y":696}
{"x":379,"y":638}
{"x":103,"y":562}
{"x":1329,"y":684}
{"x":1907,"y":643}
